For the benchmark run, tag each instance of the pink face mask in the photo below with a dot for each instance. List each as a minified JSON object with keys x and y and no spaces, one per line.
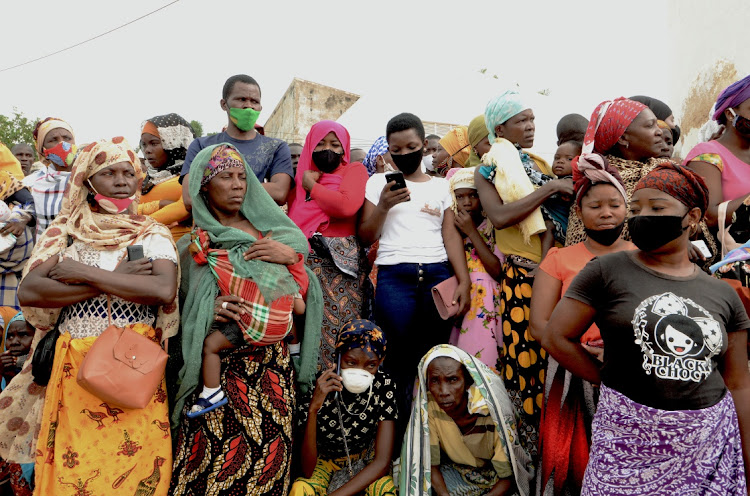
{"x":112,"y":205}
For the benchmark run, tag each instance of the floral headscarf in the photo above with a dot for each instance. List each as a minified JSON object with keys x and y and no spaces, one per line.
{"x":361,"y":333}
{"x":41,"y":130}
{"x":380,"y":147}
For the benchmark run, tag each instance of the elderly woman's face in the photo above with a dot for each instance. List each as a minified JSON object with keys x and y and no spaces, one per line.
{"x":519,"y":129}
{"x":116,"y":181}
{"x":226,"y":191}
{"x":643,"y":136}
{"x":56,"y":136}
{"x":447,"y":384}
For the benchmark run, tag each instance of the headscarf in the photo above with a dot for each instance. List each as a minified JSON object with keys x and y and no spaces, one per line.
{"x":175,"y":134}
{"x":732,"y":96}
{"x":200,"y":288}
{"x":665,"y":127}
{"x":487,"y":396}
{"x":709,"y":128}
{"x":6,"y":314}
{"x":456,"y":143}
{"x":43,"y":128}
{"x":98,"y":230}
{"x":379,"y":148}
{"x":608,"y":123}
{"x":308,"y":215}
{"x":571,"y":127}
{"x":678,"y":182}
{"x":501,"y":108}
{"x":223,"y":158}
{"x":460,"y":178}
{"x":593,"y":172}
{"x":361,"y":333}
{"x":477,"y":132}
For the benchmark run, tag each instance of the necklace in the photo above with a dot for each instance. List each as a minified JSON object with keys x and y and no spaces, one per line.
{"x":369,"y":396}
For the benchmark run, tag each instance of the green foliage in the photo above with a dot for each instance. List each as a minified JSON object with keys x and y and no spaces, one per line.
{"x":197,"y":128}
{"x":16,"y":129}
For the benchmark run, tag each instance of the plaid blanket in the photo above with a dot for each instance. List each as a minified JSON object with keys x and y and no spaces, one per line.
{"x":263,"y":323}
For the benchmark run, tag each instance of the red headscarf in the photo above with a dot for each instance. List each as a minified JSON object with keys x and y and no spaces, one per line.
{"x":307,"y":214}
{"x":678,"y":182}
{"x":608,"y":123}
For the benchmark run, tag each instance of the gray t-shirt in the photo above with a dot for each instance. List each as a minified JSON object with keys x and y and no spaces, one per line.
{"x":664,"y":336}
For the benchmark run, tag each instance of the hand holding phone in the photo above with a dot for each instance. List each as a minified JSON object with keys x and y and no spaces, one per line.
{"x":397,"y":177}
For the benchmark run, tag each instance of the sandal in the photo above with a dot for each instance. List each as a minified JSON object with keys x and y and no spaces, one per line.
{"x":206,"y":405}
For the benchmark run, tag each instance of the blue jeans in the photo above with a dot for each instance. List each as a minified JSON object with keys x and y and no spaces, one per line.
{"x":406,"y":312}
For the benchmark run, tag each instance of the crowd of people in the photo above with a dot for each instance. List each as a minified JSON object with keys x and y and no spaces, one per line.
{"x":234,"y":314}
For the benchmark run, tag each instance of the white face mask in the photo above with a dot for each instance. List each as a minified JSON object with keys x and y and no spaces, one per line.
{"x":427,"y":162}
{"x":356,"y":380}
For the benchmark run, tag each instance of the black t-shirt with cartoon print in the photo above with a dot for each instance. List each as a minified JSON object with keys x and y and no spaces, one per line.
{"x":663,"y":335}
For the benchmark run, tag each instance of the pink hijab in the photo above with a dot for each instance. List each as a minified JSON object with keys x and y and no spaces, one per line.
{"x":307,"y":214}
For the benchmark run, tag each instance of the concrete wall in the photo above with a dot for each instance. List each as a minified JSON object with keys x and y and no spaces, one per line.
{"x":304,"y":104}
{"x":709,"y":52}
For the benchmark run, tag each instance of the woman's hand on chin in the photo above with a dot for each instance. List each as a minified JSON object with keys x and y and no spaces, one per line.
{"x":272,"y":251}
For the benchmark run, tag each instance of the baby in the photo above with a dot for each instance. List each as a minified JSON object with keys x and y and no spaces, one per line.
{"x":556,"y":209}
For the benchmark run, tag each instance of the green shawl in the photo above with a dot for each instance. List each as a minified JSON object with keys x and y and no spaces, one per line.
{"x":199,"y":289}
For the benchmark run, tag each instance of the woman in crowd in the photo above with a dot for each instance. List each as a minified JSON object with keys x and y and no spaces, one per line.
{"x":349,"y":420}
{"x":462,"y":437}
{"x":164,"y":141}
{"x":378,"y":158}
{"x":479,"y":333}
{"x":245,"y":446}
{"x":675,"y":387}
{"x":454,"y":151}
{"x":662,"y":111}
{"x":329,"y":192}
{"x":78,"y":280}
{"x":517,"y":222}
{"x":419,"y":248}
{"x":724,"y":163}
{"x":628,"y":135}
{"x":16,"y":236}
{"x":479,"y":140}
{"x":55,"y":145}
{"x":570,"y":402}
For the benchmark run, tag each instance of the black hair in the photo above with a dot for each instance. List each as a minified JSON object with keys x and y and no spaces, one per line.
{"x":722,"y":119}
{"x":237,"y":78}
{"x":352,"y":149}
{"x":577,"y":143}
{"x":295,"y":144}
{"x":432,"y":137}
{"x":404,"y":122}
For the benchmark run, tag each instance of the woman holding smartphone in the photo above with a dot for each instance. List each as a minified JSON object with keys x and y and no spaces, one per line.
{"x":420,"y":247}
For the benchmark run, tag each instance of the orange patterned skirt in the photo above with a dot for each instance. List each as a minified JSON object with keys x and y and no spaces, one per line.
{"x":87,"y":447}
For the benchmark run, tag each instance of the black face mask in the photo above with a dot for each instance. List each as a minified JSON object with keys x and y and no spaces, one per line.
{"x":650,"y":232}
{"x":605,"y":237}
{"x":326,"y":160}
{"x":742,"y":125}
{"x":408,"y":162}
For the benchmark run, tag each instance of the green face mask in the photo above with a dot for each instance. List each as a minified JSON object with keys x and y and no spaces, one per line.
{"x":244,"y":119}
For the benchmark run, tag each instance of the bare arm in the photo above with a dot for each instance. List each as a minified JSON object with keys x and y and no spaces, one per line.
{"x":712,"y":176}
{"x":186,"y":199}
{"x":545,"y":295}
{"x":504,"y":215}
{"x":278,"y":187}
{"x":454,"y":247}
{"x":737,"y":378}
{"x":38,"y":290}
{"x":562,"y":338}
{"x":329,"y":381}
{"x":438,"y":483}
{"x":465,"y":224}
{"x":377,"y":468}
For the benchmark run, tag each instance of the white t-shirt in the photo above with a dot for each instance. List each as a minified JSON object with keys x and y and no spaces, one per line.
{"x":412,"y":232}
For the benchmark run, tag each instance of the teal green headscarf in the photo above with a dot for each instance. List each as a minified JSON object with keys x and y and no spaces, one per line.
{"x":501,"y":108}
{"x":199,"y":289}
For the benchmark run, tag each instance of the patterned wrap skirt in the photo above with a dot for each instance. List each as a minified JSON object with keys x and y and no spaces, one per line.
{"x":639,"y":450}
{"x":87,"y":446}
{"x":244,"y":447}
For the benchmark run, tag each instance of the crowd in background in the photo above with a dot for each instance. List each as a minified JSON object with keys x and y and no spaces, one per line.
{"x":234,"y":314}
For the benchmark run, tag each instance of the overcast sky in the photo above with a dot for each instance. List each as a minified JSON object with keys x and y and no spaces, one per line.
{"x":420,"y":57}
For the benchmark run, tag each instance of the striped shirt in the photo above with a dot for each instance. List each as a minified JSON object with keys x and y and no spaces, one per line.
{"x":47,"y":188}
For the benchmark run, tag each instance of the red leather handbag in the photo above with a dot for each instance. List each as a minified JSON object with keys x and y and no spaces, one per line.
{"x":442,"y":294}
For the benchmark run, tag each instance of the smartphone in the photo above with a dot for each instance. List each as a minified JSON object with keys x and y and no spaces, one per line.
{"x":398,"y":177}
{"x":135,"y":252}
{"x":701,"y":245}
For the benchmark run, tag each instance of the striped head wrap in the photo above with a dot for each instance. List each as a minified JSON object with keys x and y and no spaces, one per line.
{"x":678,"y":182}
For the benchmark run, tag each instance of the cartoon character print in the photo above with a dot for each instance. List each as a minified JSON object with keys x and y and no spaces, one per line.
{"x":685,"y":337}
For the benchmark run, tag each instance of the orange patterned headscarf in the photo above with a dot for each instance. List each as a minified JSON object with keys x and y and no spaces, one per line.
{"x":456,"y":143}
{"x":100,"y":230}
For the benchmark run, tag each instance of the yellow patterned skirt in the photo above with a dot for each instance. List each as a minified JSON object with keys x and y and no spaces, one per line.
{"x":87,"y":447}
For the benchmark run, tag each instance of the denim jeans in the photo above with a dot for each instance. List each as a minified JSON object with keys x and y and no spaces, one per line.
{"x":406,"y":312}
